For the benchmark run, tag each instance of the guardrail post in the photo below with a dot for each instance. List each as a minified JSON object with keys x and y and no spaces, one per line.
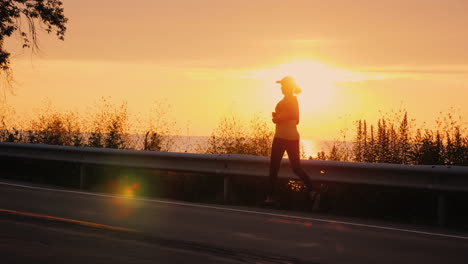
{"x":82,"y":174}
{"x":227,"y":187}
{"x":441,"y":209}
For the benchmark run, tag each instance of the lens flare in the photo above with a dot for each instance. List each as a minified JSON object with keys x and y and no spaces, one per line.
{"x":129,"y":192}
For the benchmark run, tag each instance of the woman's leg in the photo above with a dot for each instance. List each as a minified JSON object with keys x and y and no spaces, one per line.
{"x":277,"y":150}
{"x":294,"y":160}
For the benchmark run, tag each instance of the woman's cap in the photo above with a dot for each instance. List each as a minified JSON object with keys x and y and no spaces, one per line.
{"x":287,"y":80}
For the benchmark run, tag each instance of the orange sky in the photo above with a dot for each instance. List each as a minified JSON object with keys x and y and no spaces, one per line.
{"x":209,"y":58}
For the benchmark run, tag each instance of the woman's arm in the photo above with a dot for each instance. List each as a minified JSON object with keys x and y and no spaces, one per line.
{"x":289,"y":111}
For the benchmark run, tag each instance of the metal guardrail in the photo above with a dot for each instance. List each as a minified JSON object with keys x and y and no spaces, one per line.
{"x":438,"y":178}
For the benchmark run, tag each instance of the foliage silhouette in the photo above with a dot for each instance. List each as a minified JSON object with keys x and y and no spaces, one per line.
{"x":159,"y":129}
{"x":109,"y":126}
{"x":232,"y":137}
{"x":48,"y":13}
{"x":393,"y":143}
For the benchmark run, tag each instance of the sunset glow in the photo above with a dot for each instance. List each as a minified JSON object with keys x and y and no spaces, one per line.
{"x":317,"y":80}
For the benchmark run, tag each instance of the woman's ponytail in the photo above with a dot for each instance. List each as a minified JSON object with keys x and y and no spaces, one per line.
{"x":297,"y":90}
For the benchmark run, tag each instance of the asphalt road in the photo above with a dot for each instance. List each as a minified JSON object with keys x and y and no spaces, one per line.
{"x":40,"y":224}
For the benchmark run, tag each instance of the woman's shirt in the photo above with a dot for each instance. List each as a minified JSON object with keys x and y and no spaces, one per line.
{"x":287,"y":118}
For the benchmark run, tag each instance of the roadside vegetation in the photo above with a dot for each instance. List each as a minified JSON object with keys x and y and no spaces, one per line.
{"x":106,"y":125}
{"x":394,"y":138}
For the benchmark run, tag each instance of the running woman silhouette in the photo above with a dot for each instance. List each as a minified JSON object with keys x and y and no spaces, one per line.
{"x":286,"y":118}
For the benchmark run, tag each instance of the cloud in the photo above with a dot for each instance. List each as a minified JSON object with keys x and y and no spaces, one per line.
{"x":296,"y":42}
{"x":417,"y":71}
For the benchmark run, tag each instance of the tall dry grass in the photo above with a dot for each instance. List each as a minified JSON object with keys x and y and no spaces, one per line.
{"x":105,"y":125}
{"x":232,"y":136}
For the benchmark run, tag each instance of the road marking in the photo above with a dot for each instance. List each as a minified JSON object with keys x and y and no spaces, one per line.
{"x":293,"y":222}
{"x":68,"y":220}
{"x":242,"y":211}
